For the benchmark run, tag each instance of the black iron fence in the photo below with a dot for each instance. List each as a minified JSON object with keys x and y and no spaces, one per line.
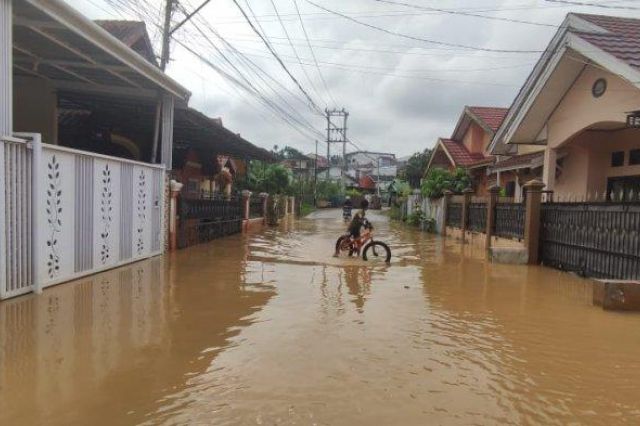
{"x":477,"y":218}
{"x":205,"y":220}
{"x":509,"y":221}
{"x":256,"y":207}
{"x":454,"y":215}
{"x":593,"y":239}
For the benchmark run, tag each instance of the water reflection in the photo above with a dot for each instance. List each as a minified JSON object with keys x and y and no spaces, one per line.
{"x":269,"y":328}
{"x":115,"y":343}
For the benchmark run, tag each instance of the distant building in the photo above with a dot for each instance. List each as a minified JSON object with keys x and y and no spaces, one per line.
{"x":380,"y":167}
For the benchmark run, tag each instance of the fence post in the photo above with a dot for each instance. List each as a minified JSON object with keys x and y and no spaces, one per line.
{"x":532,"y":219}
{"x":466,"y":200}
{"x":246,"y":195}
{"x":494,"y":192}
{"x":174,"y":187}
{"x":265,"y":200}
{"x":36,"y":206}
{"x":445,"y":209}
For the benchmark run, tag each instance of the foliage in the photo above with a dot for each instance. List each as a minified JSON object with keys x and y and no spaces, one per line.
{"x":353,"y":192}
{"x":401,"y":188}
{"x":287,"y":153}
{"x":271,"y":178}
{"x":416,"y":217}
{"x":440,"y":180}
{"x":328,"y":189}
{"x":415,"y":168}
{"x":305,"y":209}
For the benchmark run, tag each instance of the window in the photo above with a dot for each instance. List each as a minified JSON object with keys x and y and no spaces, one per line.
{"x":599,"y":87}
{"x":634,"y":157}
{"x":617,"y":159}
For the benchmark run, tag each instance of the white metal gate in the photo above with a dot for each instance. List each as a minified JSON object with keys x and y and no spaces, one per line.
{"x":71,"y":213}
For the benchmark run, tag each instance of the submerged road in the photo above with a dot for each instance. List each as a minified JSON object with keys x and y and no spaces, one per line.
{"x":269,"y":328}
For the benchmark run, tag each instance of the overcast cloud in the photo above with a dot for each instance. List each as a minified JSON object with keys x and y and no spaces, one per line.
{"x":398,"y":102}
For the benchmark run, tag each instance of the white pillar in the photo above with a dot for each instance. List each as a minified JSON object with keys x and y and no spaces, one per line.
{"x":167,"y":131}
{"x":6,"y":115}
{"x":549,"y":169}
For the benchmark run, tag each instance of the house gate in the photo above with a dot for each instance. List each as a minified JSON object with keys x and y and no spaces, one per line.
{"x":71,"y":213}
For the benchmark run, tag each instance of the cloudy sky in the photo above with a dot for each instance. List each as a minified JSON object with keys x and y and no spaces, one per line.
{"x":401,"y":93}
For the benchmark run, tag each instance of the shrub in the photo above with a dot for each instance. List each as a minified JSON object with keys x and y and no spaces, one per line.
{"x":440,"y":180}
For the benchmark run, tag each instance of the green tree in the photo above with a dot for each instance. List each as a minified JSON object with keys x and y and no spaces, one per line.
{"x":272,"y":178}
{"x":415,"y":167}
{"x":440,"y":180}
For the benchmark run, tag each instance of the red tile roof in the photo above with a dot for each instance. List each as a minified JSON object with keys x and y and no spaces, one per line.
{"x":491,"y":116}
{"x":622,"y":39}
{"x":367,"y":182}
{"x":461,"y":156}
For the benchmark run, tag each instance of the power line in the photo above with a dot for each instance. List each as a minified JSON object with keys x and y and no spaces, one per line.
{"x":313,"y":55}
{"x":602,"y":6}
{"x":273,"y":52}
{"x":295,"y":52}
{"x":410,"y":37}
{"x":462,"y":13}
{"x":255,"y":69}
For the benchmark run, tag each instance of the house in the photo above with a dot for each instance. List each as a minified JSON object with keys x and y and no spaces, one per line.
{"x":574,"y":123}
{"x":467,"y":148}
{"x":379,"y":168}
{"x":86,"y":135}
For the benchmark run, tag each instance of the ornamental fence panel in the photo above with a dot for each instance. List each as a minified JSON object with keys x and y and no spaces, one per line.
{"x":477,"y":218}
{"x":454,"y":215}
{"x":595,"y":239}
{"x":206,"y":220}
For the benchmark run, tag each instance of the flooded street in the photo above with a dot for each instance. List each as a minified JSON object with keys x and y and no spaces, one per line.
{"x":269,"y":328}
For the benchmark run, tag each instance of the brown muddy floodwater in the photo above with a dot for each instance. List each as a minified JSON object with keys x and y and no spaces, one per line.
{"x":268,"y":328}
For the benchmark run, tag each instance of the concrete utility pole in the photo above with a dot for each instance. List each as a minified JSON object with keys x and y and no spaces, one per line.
{"x":166,"y":34}
{"x":315,"y":175}
{"x":337,"y":133}
{"x":167,"y":31}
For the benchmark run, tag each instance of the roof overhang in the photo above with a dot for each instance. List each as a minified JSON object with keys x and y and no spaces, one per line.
{"x":87,"y":54}
{"x":465,"y":120}
{"x":559,"y":67}
{"x":432,"y":156}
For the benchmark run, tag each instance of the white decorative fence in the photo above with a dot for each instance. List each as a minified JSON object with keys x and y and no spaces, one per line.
{"x":71,"y":213}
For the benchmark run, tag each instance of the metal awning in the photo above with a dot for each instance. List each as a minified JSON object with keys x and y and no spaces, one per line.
{"x":51,"y":40}
{"x":191,"y":128}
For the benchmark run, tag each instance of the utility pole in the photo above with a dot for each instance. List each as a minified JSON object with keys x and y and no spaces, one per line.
{"x":315,"y":176}
{"x":167,"y":31}
{"x":166,"y":34}
{"x":337,"y":133}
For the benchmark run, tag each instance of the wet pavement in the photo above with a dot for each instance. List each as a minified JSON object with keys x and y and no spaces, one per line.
{"x":268,"y":328}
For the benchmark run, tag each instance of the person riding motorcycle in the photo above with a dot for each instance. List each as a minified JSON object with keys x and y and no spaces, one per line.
{"x":346,"y":208}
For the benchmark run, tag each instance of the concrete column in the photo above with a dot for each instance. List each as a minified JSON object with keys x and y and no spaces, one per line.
{"x":466,"y":200}
{"x":246,"y":196}
{"x":174,"y":190}
{"x":6,"y":114}
{"x":265,"y":205}
{"x":533,"y":189}
{"x":166,"y":151}
{"x":549,"y":168}
{"x":494,"y":193}
{"x":445,"y":207}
